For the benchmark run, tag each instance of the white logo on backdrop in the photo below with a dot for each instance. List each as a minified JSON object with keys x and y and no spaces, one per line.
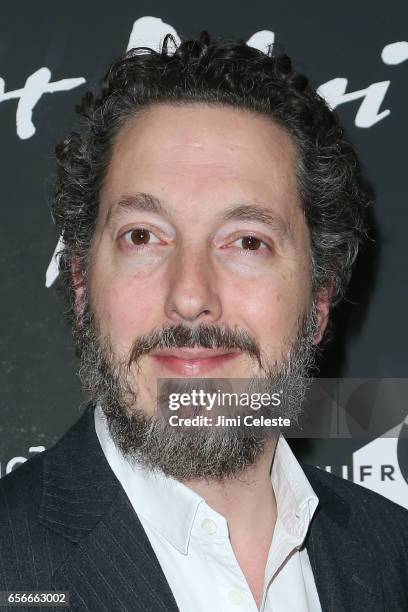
{"x":14,"y":462}
{"x":378,"y":467}
{"x":150,"y":32}
{"x":35,"y":86}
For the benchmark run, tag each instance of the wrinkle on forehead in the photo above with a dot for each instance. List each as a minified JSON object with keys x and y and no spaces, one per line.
{"x":193,"y":131}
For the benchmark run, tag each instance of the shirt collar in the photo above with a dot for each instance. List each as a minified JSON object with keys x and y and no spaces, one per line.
{"x":170,"y":507}
{"x":295,"y":499}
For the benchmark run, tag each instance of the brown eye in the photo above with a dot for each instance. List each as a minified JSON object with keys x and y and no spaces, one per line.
{"x":140,"y":240}
{"x":139,"y":236}
{"x":251,"y":243}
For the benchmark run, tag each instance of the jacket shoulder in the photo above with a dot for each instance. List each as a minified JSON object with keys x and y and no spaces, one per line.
{"x":20,"y":491}
{"x":352,"y":491}
{"x":380,"y":519}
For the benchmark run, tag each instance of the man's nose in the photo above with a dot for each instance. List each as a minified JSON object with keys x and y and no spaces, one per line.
{"x":192,"y":293}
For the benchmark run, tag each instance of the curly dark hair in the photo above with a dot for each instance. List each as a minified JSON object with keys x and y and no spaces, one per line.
{"x":219,"y":73}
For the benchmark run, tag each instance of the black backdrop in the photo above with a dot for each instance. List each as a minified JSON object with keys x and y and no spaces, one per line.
{"x":50,"y":53}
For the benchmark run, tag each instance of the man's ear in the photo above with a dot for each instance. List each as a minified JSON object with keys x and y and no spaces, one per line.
{"x":322,"y":303}
{"x":78,"y":283}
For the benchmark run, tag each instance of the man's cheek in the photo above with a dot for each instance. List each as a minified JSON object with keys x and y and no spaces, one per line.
{"x":120,"y":313}
{"x":267,"y":307}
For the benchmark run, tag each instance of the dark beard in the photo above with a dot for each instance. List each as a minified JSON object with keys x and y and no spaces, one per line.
{"x":196,"y":452}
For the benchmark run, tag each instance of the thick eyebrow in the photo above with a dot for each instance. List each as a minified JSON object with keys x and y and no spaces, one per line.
{"x":133,"y":203}
{"x":259,"y":214}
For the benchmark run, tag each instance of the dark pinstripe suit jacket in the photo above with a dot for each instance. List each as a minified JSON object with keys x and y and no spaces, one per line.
{"x":66,"y":524}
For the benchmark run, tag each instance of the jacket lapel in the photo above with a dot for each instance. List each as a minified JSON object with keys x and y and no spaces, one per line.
{"x":112,"y":565}
{"x":347,"y":576}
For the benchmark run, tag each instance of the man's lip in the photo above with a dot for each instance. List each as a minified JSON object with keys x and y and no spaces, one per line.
{"x":193,"y":362}
{"x":193,"y":353}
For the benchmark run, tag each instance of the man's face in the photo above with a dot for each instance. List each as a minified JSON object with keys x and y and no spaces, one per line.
{"x":200,"y":225}
{"x":229,"y":244}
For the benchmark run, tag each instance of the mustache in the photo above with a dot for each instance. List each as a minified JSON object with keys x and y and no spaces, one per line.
{"x":202,"y":336}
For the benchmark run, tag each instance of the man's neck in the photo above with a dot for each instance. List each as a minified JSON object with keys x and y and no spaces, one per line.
{"x":243,"y":499}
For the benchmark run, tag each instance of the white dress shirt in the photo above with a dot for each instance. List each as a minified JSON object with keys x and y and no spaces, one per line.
{"x":192,"y":544}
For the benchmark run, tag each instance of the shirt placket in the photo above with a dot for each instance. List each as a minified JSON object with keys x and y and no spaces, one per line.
{"x":210,"y":533}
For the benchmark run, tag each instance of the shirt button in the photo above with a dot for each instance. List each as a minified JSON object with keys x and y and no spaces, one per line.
{"x":209,"y":526}
{"x":236,"y":596}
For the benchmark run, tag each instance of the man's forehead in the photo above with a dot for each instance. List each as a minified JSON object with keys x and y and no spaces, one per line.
{"x":200,"y":130}
{"x":203,"y":154}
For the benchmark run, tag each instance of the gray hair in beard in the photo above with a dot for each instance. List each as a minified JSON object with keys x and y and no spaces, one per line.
{"x":196,"y":452}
